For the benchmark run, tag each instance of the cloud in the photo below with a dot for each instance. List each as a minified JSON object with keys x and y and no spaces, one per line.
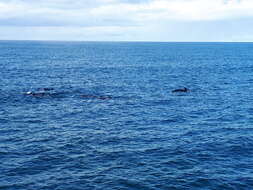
{"x":117,"y":12}
{"x":192,"y":10}
{"x":152,"y":20}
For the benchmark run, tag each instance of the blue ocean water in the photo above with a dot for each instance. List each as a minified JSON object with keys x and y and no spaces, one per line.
{"x":111,"y":122}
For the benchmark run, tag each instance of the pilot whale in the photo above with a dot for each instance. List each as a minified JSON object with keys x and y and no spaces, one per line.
{"x":96,"y":97}
{"x":45,"y":89}
{"x":181,"y":90}
{"x":38,"y":94}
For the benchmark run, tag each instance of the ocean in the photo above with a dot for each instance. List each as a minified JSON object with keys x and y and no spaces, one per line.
{"x":102,"y":116}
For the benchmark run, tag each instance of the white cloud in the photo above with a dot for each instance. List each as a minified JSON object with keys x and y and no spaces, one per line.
{"x":118,"y":12}
{"x":125,"y":19}
{"x":179,"y":10}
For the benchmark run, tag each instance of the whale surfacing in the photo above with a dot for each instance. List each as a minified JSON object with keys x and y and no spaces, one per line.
{"x":35,"y":94}
{"x":46,"y":89}
{"x":181,"y":90}
{"x":96,"y":97}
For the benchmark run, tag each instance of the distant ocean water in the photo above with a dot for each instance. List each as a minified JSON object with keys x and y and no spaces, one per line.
{"x":109,"y":120}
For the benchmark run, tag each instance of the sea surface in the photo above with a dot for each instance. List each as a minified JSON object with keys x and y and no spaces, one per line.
{"x":102,"y":116}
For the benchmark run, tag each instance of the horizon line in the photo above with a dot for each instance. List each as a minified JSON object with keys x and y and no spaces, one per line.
{"x":122,"y":41}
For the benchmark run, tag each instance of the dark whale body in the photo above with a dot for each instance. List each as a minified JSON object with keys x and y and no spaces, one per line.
{"x":46,"y":89}
{"x":50,"y":92}
{"x":181,"y":90}
{"x":41,"y":92}
{"x":96,"y":97}
{"x":36,"y":94}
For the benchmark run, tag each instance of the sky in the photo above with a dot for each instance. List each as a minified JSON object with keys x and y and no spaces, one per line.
{"x":127,"y":20}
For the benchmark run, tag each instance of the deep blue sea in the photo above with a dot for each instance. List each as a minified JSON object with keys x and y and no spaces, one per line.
{"x":102,"y":116}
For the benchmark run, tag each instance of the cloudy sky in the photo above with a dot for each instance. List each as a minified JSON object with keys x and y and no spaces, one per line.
{"x":127,"y":20}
